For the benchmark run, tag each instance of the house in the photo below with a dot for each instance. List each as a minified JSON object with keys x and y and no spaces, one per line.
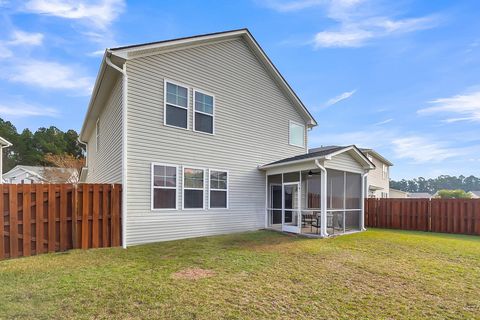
{"x":378,"y":180}
{"x":207,"y":137}
{"x":394,"y":193}
{"x":3,"y":144}
{"x":419,"y":195}
{"x":33,"y":174}
{"x":474,"y":194}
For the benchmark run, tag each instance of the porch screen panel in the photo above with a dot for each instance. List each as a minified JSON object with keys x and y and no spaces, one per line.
{"x":274,"y":199}
{"x":354,"y":190}
{"x":314,"y":188}
{"x":335,"y":189}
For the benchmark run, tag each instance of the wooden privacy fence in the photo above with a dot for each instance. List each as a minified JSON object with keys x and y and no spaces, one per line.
{"x":39,"y":218}
{"x":460,"y":216}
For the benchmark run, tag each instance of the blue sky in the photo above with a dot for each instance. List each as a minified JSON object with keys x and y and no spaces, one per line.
{"x":402,"y":77}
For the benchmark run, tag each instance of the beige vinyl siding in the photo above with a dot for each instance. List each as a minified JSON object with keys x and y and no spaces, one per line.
{"x":344,"y":162}
{"x":375,"y":177}
{"x":105,"y":165}
{"x":251,"y":128}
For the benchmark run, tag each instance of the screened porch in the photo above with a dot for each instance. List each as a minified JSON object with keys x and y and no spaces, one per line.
{"x":319,"y":193}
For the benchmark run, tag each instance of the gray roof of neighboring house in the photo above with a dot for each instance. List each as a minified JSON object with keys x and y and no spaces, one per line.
{"x":318,"y":153}
{"x":477,"y":193}
{"x":49,"y":174}
{"x":419,"y":195}
{"x":376,"y":155}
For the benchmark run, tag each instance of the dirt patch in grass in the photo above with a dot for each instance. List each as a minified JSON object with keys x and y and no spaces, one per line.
{"x":193,"y":274}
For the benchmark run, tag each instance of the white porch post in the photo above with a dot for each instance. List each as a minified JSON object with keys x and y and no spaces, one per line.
{"x":364,"y":190}
{"x":323,"y":200}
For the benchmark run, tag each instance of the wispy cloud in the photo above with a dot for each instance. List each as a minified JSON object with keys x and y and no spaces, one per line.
{"x":99,"y":13}
{"x":358,"y":22}
{"x":383,"y":122}
{"x":20,"y":109}
{"x":49,"y":75}
{"x":466,"y":106}
{"x":339,"y":98}
{"x":358,"y":32}
{"x":20,"y":37}
{"x":422,"y":150}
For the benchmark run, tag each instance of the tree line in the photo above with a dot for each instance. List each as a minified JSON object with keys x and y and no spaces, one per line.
{"x":44,"y":147}
{"x":432,"y":185}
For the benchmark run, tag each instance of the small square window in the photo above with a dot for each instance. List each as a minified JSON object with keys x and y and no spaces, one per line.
{"x":296,"y":134}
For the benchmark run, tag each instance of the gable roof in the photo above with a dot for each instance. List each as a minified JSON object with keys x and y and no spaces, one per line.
{"x":475,"y":193}
{"x":119,"y":55}
{"x":321,"y":153}
{"x":376,"y":155}
{"x":46,"y":174}
{"x":4,"y":142}
{"x":419,"y":195}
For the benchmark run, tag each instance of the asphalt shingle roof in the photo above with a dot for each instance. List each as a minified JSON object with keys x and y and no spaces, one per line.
{"x":318,"y":152}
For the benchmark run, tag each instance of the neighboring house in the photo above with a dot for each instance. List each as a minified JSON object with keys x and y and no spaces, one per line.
{"x":3,"y":144}
{"x":394,"y":193}
{"x":474,"y":194}
{"x":207,"y":138}
{"x":419,"y":195}
{"x":378,"y":180}
{"x":31,"y":174}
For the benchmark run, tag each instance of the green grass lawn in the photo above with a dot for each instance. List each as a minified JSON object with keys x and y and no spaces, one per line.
{"x":378,"y":274}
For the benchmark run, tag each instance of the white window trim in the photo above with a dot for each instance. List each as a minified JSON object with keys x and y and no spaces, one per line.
{"x":183,"y":187}
{"x":300,"y":124}
{"x":211,"y":115}
{"x":210,"y":189}
{"x":153,"y":187}
{"x":97,"y":135}
{"x":165,"y":81}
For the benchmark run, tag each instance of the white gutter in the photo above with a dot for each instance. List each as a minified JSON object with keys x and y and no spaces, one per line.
{"x":123,"y":71}
{"x":323,"y":202}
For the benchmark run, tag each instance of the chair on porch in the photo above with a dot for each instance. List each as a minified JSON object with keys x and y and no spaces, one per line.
{"x":316,"y":222}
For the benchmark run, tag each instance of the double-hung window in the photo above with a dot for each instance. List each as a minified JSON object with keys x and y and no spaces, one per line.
{"x":176,"y":105}
{"x":164,"y":186}
{"x":218,"y":189}
{"x":193,"y":188}
{"x":296,"y":134}
{"x":204,"y":105}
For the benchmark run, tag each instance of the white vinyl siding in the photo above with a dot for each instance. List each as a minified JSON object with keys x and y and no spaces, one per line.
{"x":251,"y":129}
{"x":105,"y":163}
{"x":344,"y":162}
{"x":97,"y":135}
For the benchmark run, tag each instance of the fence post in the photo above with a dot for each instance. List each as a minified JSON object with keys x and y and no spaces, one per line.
{"x":39,"y":237}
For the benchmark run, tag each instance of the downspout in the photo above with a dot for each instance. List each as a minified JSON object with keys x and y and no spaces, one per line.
{"x":123,"y":71}
{"x":362,"y":219}
{"x":323,"y":202}
{"x":86,"y":150}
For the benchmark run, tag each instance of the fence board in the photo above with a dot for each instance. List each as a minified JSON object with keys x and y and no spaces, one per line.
{"x":2,"y":230}
{"x":58,"y":217}
{"x":13,"y":227}
{"x":95,"y":216}
{"x":461,"y":216}
{"x":26,"y":220}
